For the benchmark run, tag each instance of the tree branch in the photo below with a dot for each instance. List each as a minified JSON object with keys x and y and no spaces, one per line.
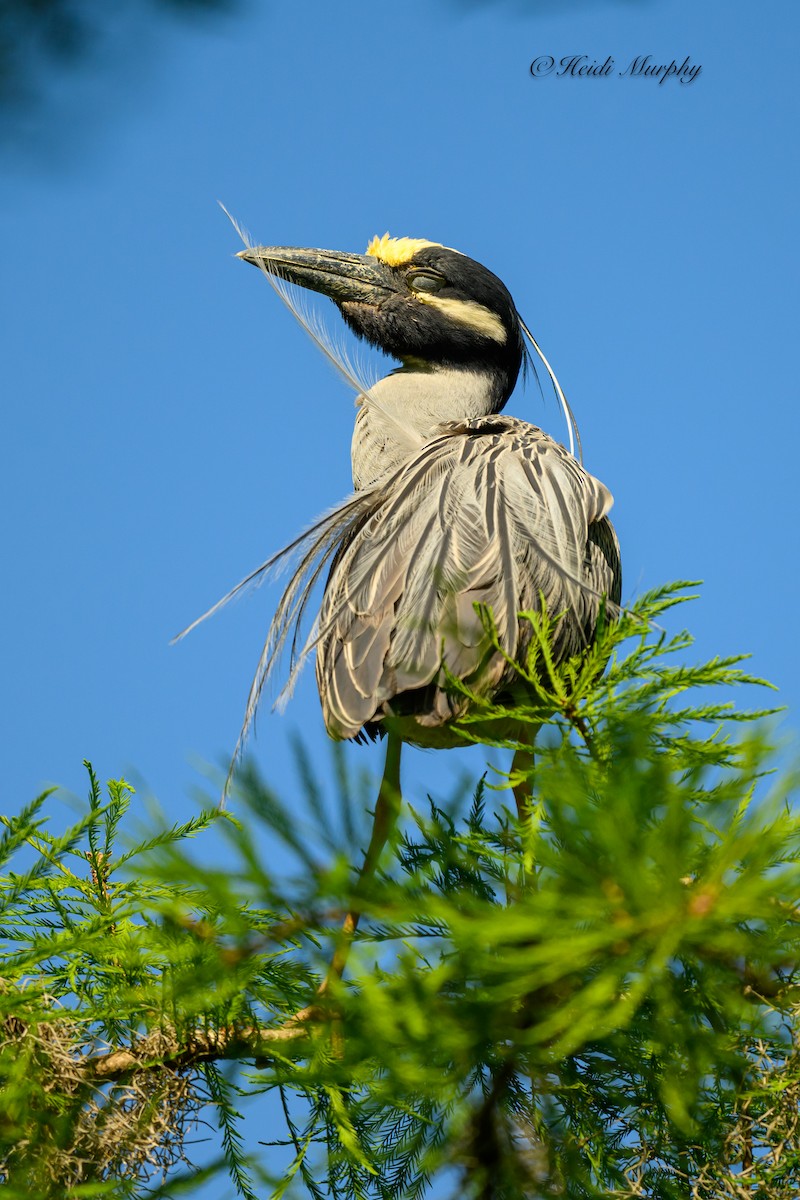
{"x":159,"y":1050}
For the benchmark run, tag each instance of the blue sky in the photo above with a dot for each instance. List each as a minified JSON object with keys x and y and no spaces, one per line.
{"x":166,"y":425}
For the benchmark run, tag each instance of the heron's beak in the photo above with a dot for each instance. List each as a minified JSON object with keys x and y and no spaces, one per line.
{"x":343,"y":277}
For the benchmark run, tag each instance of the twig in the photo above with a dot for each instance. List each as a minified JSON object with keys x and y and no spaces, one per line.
{"x":154,"y":1052}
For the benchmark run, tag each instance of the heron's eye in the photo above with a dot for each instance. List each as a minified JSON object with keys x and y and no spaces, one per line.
{"x":425,"y":281}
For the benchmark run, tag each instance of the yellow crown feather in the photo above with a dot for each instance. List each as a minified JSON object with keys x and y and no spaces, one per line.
{"x":396,"y":251}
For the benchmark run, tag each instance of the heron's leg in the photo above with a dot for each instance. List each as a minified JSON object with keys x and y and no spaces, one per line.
{"x":387,"y":809}
{"x":523,"y":762}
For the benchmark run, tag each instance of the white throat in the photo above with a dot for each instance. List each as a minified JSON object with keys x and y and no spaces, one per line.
{"x":411,"y":405}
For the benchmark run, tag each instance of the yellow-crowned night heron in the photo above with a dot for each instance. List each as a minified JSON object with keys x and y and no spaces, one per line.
{"x":454,"y":505}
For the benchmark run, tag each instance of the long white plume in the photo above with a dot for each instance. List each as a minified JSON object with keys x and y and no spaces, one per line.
{"x":573,"y":433}
{"x":336,"y":355}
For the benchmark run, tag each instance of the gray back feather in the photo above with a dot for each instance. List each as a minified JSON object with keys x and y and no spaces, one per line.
{"x":490,"y":511}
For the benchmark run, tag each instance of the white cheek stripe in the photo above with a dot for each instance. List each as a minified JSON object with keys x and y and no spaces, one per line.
{"x":469,"y":313}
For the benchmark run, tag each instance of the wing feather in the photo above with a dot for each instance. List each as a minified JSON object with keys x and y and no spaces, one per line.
{"x":490,"y":511}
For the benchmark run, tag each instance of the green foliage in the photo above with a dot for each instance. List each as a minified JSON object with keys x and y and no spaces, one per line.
{"x":594,"y":997}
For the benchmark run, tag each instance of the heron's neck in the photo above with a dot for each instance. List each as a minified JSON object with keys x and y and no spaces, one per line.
{"x":411,"y":404}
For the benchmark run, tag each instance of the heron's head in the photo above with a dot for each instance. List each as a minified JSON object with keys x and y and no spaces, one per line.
{"x":418,"y":301}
